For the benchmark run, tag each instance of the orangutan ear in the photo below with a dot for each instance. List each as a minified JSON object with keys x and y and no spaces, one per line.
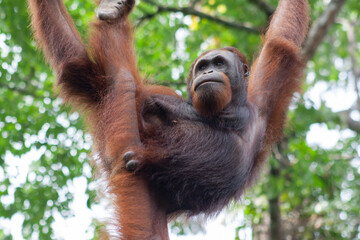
{"x":246,"y":71}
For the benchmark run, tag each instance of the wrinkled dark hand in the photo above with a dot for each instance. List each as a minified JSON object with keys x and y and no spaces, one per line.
{"x":110,"y":10}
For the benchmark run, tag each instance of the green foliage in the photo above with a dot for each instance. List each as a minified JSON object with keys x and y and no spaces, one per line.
{"x":317,"y":187}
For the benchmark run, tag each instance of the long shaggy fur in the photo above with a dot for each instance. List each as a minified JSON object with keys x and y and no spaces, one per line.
{"x":187,"y":166}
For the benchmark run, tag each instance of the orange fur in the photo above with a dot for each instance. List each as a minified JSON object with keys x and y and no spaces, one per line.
{"x":104,"y":80}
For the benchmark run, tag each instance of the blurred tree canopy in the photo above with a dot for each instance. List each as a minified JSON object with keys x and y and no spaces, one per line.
{"x":310,"y":188}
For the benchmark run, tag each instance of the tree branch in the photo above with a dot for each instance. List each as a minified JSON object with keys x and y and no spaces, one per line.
{"x":191,"y":11}
{"x":320,"y":28}
{"x":21,"y":91}
{"x":147,"y":17}
{"x":346,"y":115}
{"x":353,"y":125}
{"x":268,"y":9}
{"x":352,"y":50}
{"x":346,"y":118}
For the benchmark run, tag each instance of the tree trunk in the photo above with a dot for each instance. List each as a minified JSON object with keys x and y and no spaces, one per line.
{"x":275,"y":219}
{"x":274,"y":210}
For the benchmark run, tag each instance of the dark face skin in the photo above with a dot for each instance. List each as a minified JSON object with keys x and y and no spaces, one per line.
{"x":217,"y":78}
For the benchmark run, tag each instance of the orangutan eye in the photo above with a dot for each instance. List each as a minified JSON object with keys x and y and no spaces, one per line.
{"x":202,"y":66}
{"x":219,"y":62}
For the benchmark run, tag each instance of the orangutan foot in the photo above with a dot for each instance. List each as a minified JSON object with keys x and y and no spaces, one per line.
{"x":130,"y":164}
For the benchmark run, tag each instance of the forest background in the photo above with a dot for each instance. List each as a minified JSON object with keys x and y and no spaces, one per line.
{"x":310,"y":187}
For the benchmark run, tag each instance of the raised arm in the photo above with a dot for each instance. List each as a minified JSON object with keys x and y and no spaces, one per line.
{"x":81,"y":81}
{"x":55,"y":31}
{"x":276,"y":73}
{"x":112,"y":45}
{"x":106,"y":83}
{"x":290,"y":21}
